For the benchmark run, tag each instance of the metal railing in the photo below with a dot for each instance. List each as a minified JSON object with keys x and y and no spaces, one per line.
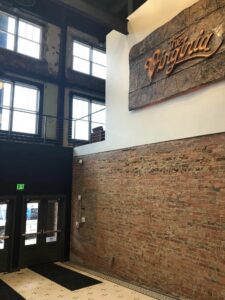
{"x":26,"y":125}
{"x":87,"y":129}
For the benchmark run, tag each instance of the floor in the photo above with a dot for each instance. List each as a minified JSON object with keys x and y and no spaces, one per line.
{"x":33,"y":286}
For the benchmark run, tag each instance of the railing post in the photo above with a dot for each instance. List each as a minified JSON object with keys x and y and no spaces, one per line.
{"x":45,"y":127}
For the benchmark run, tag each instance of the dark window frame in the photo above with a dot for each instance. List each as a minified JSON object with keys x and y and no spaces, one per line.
{"x":90,"y":100}
{"x":20,"y":135}
{"x":92,"y":47}
{"x":18,"y":17}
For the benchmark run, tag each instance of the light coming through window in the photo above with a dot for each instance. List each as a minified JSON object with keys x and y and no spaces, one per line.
{"x":89,"y":60}
{"x":20,"y":36}
{"x":87,"y":115}
{"x":19,"y":105}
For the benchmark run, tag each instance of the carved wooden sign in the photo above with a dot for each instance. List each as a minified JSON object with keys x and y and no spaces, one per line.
{"x":185,"y":53}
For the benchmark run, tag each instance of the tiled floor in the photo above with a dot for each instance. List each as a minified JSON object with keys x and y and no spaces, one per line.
{"x":33,"y":286}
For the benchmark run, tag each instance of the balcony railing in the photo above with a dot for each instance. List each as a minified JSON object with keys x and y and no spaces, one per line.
{"x":29,"y":126}
{"x":88,"y":128}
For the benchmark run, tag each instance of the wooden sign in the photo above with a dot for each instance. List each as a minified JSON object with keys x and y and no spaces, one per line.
{"x":182,"y":55}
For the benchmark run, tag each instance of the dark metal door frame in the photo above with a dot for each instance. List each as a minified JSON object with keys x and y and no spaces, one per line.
{"x":43,"y":252}
{"x":6,"y":254}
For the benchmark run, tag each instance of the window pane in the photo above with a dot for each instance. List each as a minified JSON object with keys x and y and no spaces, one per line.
{"x":5,"y":93}
{"x":80,"y":130}
{"x":7,"y":23}
{"x":3,"y":215}
{"x":28,"y":48}
{"x":10,"y":42}
{"x":98,"y":113}
{"x":99,"y":71}
{"x":31,"y":223}
{"x":81,"y":65}
{"x":98,"y":118}
{"x":11,"y":25}
{"x":52,"y":220}
{"x":80,"y":109}
{"x":4,"y":119}
{"x":7,"y":40}
{"x":5,"y":101}
{"x":3,"y":39}
{"x":30,"y":32}
{"x":26,"y":98}
{"x":81,"y":51}
{"x":99,"y":57}
{"x":24,"y":122}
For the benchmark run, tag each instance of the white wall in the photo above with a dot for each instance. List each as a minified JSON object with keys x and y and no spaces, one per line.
{"x":197,"y":113}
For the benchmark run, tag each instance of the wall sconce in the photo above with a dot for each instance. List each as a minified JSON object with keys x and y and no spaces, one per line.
{"x":80,"y":161}
{"x":77,"y":225}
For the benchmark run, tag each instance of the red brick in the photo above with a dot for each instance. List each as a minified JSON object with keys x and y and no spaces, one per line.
{"x":155,"y":216}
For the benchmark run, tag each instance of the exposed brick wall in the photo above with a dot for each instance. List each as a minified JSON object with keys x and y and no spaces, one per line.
{"x":155,"y":216}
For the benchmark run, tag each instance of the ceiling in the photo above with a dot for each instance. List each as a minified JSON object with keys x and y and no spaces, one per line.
{"x":121,"y":8}
{"x":96,"y":17}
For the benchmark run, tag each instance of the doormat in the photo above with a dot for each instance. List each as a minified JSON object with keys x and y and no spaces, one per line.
{"x":7,"y":293}
{"x":69,"y":279}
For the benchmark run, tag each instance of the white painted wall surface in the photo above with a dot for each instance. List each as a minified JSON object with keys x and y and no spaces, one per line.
{"x":197,"y":113}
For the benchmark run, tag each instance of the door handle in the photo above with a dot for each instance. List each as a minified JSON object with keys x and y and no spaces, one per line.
{"x":52,"y":231}
{"x":31,"y":234}
{"x":6,"y":237}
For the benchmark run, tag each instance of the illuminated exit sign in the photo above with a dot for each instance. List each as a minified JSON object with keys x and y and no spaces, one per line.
{"x":20,"y":187}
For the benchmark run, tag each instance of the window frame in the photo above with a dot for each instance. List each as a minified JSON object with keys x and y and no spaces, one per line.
{"x":16,"y":34}
{"x":90,"y":99}
{"x":92,"y":47}
{"x":20,"y":135}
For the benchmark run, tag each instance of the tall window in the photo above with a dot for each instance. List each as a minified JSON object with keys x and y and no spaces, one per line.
{"x":19,"y":105}
{"x":20,"y":35}
{"x":87,"y":116}
{"x":89,"y":60}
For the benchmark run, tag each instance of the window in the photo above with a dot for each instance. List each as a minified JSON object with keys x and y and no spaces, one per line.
{"x":89,"y":60}
{"x":32,"y":211}
{"x":87,"y":117}
{"x":19,"y":105}
{"x":20,"y":36}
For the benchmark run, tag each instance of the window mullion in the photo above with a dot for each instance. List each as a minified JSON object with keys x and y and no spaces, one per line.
{"x":37,"y":43}
{"x":16,"y":35}
{"x":91,"y":60}
{"x":11,"y":112}
{"x":90,"y":118}
{"x":37,"y":113}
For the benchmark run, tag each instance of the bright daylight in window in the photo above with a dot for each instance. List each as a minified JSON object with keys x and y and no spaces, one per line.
{"x":87,"y":115}
{"x":20,"y":36}
{"x":19,"y":105}
{"x":89,"y":60}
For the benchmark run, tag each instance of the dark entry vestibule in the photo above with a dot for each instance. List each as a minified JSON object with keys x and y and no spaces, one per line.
{"x":35,"y":193}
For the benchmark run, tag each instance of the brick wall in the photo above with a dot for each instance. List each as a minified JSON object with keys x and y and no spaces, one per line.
{"x":155,"y":216}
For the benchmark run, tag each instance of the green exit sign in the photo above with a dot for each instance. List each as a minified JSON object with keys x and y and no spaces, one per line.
{"x":20,"y":187}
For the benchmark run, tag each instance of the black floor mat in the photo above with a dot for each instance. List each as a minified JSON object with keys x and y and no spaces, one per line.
{"x":7,"y":293}
{"x":65,"y":277}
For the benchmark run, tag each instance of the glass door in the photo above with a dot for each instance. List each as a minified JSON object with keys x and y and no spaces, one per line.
{"x":52,"y":226}
{"x":31,"y":225}
{"x":6,"y":238}
{"x":42,"y":239}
